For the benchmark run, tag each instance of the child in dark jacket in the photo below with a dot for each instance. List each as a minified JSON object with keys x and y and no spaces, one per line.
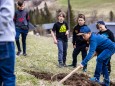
{"x":61,"y":38}
{"x":107,"y":48}
{"x":21,"y":20}
{"x":107,"y":33}
{"x":79,"y":44}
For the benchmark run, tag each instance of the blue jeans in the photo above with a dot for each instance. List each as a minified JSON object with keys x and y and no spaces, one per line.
{"x":62,"y":51}
{"x":108,"y":60}
{"x":7,"y":63}
{"x":102,"y":60}
{"x":24,"y":35}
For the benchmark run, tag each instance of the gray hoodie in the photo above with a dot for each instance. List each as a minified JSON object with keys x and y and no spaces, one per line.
{"x":7,"y":29}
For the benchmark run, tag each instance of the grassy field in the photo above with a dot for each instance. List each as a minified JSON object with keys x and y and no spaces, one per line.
{"x":86,"y":6}
{"x":42,"y":57}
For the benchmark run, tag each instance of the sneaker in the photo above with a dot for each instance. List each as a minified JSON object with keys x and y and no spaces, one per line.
{"x":72,"y":66}
{"x":64,"y":65}
{"x":19,"y":53}
{"x":85,"y":70}
{"x":24,"y":54}
{"x":60,"y":65}
{"x":94,"y":79}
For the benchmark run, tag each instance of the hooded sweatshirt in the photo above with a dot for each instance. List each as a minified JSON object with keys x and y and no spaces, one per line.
{"x":78,"y":40}
{"x":7,"y":29}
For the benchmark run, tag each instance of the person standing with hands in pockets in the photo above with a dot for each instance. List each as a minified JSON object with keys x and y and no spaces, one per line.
{"x":21,"y":20}
{"x":7,"y":46}
{"x":61,"y":38}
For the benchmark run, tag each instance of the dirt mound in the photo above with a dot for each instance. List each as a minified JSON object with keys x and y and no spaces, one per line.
{"x":112,"y":83}
{"x":74,"y":80}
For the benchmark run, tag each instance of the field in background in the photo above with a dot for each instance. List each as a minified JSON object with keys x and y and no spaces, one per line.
{"x":86,"y":6}
{"x":42,"y":57}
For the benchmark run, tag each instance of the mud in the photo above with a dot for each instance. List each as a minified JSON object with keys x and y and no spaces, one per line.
{"x":40,"y":75}
{"x":74,"y":80}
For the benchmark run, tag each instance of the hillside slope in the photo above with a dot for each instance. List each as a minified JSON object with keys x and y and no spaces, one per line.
{"x":87,"y":6}
{"x":42,"y":58}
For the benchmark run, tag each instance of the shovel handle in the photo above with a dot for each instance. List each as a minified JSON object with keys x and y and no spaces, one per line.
{"x":71,"y":73}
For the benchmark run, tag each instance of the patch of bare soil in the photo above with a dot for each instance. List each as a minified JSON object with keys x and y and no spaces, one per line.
{"x":40,"y":75}
{"x":75,"y":80}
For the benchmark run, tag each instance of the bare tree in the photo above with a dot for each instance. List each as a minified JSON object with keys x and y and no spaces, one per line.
{"x":111,"y":14}
{"x":94,"y":16}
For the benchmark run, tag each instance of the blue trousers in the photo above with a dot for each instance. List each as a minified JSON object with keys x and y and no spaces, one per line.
{"x":7,"y":63}
{"x":101,"y":66}
{"x":62,"y":51}
{"x":23,"y":33}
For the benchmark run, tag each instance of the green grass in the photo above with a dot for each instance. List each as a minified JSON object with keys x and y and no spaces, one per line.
{"x":42,"y":57}
{"x":86,"y":3}
{"x":87,"y":6}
